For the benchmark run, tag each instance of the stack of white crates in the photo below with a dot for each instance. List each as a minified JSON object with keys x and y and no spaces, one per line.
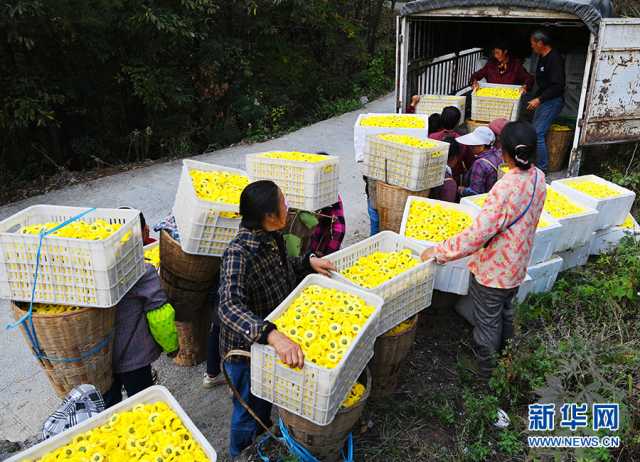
{"x":360,"y":131}
{"x":399,"y":164}
{"x":612,"y":211}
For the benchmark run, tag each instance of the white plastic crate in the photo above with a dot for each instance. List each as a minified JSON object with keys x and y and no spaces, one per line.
{"x":430,"y":104}
{"x":314,"y":392}
{"x":576,"y":229}
{"x":307,"y":185}
{"x":540,"y":277}
{"x":487,"y":108}
{"x":72,"y":271}
{"x":454,"y":276}
{"x":360,"y":132}
{"x":575,"y":257}
{"x":524,"y":289}
{"x":149,"y":395}
{"x":400,"y":165}
{"x":611,"y":211}
{"x":406,"y":294}
{"x":545,"y":240}
{"x":202,"y":230}
{"x":606,"y":240}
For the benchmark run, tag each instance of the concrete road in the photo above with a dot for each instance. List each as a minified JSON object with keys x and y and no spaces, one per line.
{"x":26,"y":398}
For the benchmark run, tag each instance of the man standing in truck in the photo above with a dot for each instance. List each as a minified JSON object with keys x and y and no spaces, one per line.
{"x":548,"y":97}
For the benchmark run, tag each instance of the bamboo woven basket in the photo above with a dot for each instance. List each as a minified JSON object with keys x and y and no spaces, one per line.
{"x":558,"y":144}
{"x":73,"y":335}
{"x":390,"y":202}
{"x":186,"y":278}
{"x":325,"y":442}
{"x":192,"y":339}
{"x":473,"y":124}
{"x":390,"y":351}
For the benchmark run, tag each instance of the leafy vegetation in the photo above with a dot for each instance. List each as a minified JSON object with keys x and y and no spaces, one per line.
{"x":105,"y":82}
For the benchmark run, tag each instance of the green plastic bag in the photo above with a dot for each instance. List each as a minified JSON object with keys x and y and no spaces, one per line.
{"x":163,"y":327}
{"x":293,"y":244}
{"x":310,"y":220}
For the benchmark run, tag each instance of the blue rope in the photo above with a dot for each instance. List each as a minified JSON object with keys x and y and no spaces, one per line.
{"x":296,"y":449}
{"x":83,"y":355}
{"x":27,"y":319}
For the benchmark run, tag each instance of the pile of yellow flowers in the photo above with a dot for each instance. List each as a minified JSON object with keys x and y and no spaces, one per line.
{"x":435,"y":223}
{"x":295,"y":156}
{"x":480,"y":200}
{"x":593,"y":188}
{"x":79,"y":229}
{"x":149,"y":432}
{"x":504,"y":168}
{"x":222,"y":187}
{"x":324,"y":322}
{"x":354,"y":396}
{"x":152,"y":256}
{"x":559,"y":206}
{"x":379,"y":267}
{"x":390,"y":120}
{"x":402,"y":327}
{"x":560,"y":128}
{"x":47,"y":309}
{"x":628,"y":223}
{"x":411,"y":141}
{"x":506,"y":93}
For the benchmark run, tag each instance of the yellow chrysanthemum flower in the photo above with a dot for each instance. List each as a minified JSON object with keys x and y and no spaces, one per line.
{"x":391,"y":120}
{"x":593,"y":188}
{"x":435,"y":223}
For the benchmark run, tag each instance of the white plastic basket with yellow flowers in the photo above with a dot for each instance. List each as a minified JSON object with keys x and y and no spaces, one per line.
{"x":336,"y":325}
{"x":430,"y":222}
{"x":493,"y":101}
{"x":207,"y":206}
{"x":151,"y":424}
{"x":613,"y":202}
{"x":578,"y":220}
{"x":415,"y":125}
{"x":388,"y":265}
{"x":405,"y":161}
{"x":606,"y":240}
{"x":309,"y":181}
{"x":430,"y":104}
{"x":91,"y":257}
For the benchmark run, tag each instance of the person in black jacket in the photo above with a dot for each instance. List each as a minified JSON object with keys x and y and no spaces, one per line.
{"x":548,"y":98}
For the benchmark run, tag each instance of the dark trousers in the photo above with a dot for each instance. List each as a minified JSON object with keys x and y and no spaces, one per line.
{"x":133,"y":382}
{"x":213,"y":350}
{"x":493,"y":322}
{"x":244,"y":428}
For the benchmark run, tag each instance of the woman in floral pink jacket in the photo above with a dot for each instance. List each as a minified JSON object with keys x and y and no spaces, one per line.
{"x":500,"y":241}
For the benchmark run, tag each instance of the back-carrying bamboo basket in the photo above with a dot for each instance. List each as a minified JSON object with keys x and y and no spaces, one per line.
{"x":473,"y":124}
{"x":390,"y":202}
{"x":76,"y":346}
{"x":187,"y":279}
{"x":325,"y":442}
{"x":390,"y":351}
{"x":558,"y":143}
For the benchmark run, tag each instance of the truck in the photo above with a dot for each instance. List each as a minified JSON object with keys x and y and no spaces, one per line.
{"x":439,"y":44}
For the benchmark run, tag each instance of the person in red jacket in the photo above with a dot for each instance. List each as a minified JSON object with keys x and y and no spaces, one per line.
{"x":504,"y":69}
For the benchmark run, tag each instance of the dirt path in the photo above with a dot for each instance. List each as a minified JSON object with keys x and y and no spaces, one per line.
{"x":26,"y":398}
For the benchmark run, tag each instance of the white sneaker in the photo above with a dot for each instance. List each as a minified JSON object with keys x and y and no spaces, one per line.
{"x":210,"y":382}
